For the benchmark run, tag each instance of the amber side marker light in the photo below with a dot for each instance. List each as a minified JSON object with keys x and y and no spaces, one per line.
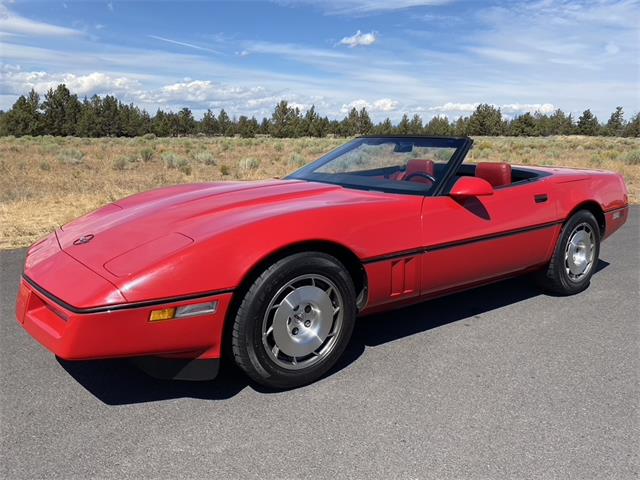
{"x":192,"y":310}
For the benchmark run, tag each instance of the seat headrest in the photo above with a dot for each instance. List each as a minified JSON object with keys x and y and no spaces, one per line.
{"x":422,"y":166}
{"x":497,"y":174}
{"x":419,"y":166}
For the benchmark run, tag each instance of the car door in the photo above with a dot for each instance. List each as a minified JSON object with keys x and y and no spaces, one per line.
{"x":485,"y":237}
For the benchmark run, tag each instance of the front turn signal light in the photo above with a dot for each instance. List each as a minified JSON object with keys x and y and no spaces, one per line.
{"x":184,"y":311}
{"x":164,"y":314}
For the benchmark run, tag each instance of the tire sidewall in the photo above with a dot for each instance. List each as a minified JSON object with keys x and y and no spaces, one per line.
{"x":568,"y":285}
{"x":286,"y":270}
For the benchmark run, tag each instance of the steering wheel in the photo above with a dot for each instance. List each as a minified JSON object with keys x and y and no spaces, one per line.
{"x":421,"y":175}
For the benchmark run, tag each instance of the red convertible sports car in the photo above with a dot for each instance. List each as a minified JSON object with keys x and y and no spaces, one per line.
{"x":274,"y":273}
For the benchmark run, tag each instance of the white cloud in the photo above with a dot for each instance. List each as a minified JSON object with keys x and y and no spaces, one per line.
{"x":201,"y":91}
{"x":296,"y":52}
{"x":454,"y":107}
{"x":609,"y":13}
{"x":198,"y":94}
{"x":320,"y":58}
{"x":360,"y":39}
{"x":508,"y":109}
{"x":14,"y":80}
{"x":357,"y":104}
{"x":183,"y":44}
{"x":263,"y":102}
{"x":528,"y":55}
{"x":611,"y":48}
{"x":303,"y":107}
{"x":438,"y":18}
{"x":366,"y":6}
{"x":256,"y":101}
{"x":562,"y":32}
{"x":381,"y":105}
{"x":384,"y":105}
{"x":10,"y":23}
{"x":503,"y":55}
{"x":519,"y":108}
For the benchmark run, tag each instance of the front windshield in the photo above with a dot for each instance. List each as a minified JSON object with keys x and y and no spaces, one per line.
{"x":392,"y":164}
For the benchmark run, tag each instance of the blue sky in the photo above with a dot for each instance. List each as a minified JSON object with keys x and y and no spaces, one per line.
{"x":431,"y":57}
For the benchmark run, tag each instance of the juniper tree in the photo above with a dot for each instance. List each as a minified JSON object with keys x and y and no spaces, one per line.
{"x":24,"y":118}
{"x":209,"y":123}
{"x":415,"y":125}
{"x":403,"y":125}
{"x":588,"y":124}
{"x":224,"y":123}
{"x":438,"y":126}
{"x":524,"y":126}
{"x":632,"y":128}
{"x":61,"y":111}
{"x":615,"y":125}
{"x":486,"y":120}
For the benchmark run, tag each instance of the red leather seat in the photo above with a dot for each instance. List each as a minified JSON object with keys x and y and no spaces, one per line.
{"x":417,"y":166}
{"x":496,"y":173}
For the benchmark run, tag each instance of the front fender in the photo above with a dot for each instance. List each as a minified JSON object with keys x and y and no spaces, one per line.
{"x":224,"y":254}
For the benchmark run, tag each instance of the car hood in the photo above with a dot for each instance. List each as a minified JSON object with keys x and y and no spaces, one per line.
{"x":124,"y":237}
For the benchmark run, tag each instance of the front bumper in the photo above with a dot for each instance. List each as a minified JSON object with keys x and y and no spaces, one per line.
{"x":122,"y":331}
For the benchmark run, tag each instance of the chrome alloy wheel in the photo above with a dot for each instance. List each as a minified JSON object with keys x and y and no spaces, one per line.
{"x":578,"y":257}
{"x":302,"y":322}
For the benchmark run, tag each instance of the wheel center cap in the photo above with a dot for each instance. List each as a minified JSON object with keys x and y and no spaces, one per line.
{"x":311,"y":328}
{"x":579,"y":253}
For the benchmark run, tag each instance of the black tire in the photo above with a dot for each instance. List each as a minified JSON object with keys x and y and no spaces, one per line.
{"x":249,"y":349}
{"x":556,"y":278}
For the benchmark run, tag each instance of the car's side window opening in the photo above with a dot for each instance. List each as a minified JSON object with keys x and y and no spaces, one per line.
{"x":496,"y":174}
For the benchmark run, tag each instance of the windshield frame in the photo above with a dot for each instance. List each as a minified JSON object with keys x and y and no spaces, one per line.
{"x":462,"y":146}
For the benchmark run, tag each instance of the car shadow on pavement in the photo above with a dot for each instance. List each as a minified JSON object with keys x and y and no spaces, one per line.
{"x":118,"y":382}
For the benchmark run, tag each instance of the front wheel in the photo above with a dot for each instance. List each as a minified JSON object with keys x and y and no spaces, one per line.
{"x":295,"y":320}
{"x":575,"y":256}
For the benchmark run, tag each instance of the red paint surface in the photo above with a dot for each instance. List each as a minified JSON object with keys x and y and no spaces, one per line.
{"x":120,"y":333}
{"x":197,"y":239}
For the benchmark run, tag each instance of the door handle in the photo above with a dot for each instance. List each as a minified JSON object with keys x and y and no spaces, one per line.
{"x":541,"y":198}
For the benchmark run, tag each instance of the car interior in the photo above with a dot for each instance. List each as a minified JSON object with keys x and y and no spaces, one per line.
{"x":413,"y":170}
{"x":498,"y":174}
{"x":383,"y":165}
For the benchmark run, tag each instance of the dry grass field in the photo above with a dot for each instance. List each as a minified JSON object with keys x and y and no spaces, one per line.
{"x":47,"y":181}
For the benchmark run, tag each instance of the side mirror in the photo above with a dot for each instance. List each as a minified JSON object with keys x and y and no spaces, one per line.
{"x":467,"y":187}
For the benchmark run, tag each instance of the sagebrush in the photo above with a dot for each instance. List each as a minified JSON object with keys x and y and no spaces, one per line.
{"x":47,"y":181}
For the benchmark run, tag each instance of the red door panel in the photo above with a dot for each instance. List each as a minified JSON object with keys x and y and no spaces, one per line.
{"x":454,"y":266}
{"x":486,"y":237}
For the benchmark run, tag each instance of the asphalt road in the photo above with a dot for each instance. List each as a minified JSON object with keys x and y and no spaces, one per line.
{"x":499,"y":382}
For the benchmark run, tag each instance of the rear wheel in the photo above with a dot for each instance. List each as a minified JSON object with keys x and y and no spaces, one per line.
{"x":575,"y":256}
{"x":295,"y":320}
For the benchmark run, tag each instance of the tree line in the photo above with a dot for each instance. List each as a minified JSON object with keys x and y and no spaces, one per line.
{"x":61,"y":113}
